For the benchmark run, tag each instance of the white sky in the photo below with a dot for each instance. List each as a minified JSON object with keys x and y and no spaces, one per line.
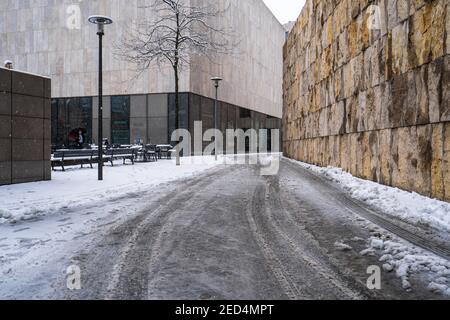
{"x":285,"y":10}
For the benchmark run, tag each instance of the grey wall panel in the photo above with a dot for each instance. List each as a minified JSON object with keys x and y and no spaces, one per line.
{"x":106,"y":107}
{"x":106,"y":130}
{"x":158,"y":130}
{"x":157,"y":105}
{"x":138,"y":106}
{"x":138,"y":129}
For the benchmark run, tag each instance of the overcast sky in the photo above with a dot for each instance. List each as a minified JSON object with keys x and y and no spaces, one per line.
{"x":285,"y":10}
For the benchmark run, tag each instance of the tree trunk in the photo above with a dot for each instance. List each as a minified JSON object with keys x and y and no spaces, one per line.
{"x":177,"y":112}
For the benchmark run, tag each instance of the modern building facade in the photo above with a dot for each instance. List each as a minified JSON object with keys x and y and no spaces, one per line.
{"x":53,"y":38}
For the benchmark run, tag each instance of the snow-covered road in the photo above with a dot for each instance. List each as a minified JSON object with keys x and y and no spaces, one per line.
{"x":208,"y":232}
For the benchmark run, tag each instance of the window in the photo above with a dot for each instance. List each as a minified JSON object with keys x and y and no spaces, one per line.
{"x":120,"y":120}
{"x":69,"y":116}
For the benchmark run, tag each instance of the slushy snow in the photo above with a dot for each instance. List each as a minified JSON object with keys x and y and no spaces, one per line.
{"x":407,"y":206}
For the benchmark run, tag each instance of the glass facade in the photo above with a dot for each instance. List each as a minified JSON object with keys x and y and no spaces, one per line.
{"x":70,"y":117}
{"x":120,"y":120}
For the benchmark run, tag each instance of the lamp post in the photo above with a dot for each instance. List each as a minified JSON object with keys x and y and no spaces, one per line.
{"x":216,"y":81}
{"x":100,"y":21}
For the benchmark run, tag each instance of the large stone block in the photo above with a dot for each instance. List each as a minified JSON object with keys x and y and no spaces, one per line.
{"x":47,"y":129}
{"x":27,"y":106}
{"x":422,"y":183}
{"x":47,"y":109}
{"x":438,"y":26}
{"x":415,"y":159}
{"x":27,"y":171}
{"x":447,"y":20}
{"x":47,"y":88}
{"x":5,"y":80}
{"x":27,"y":149}
{"x":47,"y":170}
{"x":392,"y":13}
{"x":27,"y":128}
{"x":5,"y":126}
{"x":5,"y":103}
{"x":403,"y":8}
{"x":47,"y":149}
{"x":399,"y":100}
{"x":351,"y":109}
{"x":417,"y":106}
{"x":5,"y":173}
{"x":446,"y":161}
{"x":385,"y":156}
{"x":400,"y":48}
{"x":420,"y":36}
{"x":445,"y":103}
{"x":5,"y":149}
{"x":384,"y":105}
{"x":435,"y":93}
{"x":26,"y":84}
{"x":437,"y":165}
{"x":344,"y":154}
{"x":404,"y":155}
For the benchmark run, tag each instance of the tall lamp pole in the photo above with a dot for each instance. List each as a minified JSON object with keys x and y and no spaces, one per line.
{"x":100,"y":21}
{"x":216,"y":81}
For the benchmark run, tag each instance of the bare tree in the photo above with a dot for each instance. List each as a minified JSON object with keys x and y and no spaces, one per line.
{"x":179,"y":31}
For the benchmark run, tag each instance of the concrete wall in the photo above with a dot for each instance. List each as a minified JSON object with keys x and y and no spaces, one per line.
{"x":53,"y":38}
{"x":253,"y":73}
{"x":373,"y":101}
{"x":25,"y":128}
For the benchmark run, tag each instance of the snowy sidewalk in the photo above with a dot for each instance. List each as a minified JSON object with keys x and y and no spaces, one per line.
{"x":407,"y":206}
{"x":77,"y":187}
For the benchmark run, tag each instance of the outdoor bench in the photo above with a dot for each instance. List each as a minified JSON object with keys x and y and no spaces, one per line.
{"x":84,"y":156}
{"x":115,"y":154}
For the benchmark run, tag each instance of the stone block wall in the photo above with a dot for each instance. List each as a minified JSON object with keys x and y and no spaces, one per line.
{"x":367,"y":89}
{"x":25,"y":127}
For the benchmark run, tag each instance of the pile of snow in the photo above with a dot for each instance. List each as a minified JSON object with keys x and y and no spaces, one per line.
{"x":408,"y":206}
{"x":341,"y":246}
{"x":77,"y":187}
{"x":405,"y":260}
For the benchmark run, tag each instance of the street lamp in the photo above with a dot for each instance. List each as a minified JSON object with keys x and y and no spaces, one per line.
{"x":100,"y":21}
{"x":216,"y":81}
